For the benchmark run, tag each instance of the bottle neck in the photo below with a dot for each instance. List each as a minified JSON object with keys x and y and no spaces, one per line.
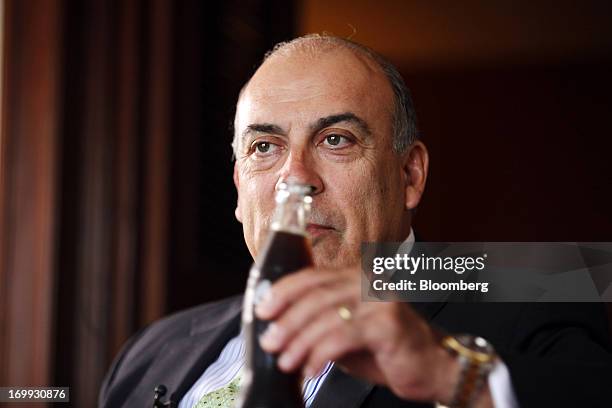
{"x":292,"y":210}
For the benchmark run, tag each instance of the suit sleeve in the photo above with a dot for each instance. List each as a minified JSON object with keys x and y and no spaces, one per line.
{"x":561,"y":356}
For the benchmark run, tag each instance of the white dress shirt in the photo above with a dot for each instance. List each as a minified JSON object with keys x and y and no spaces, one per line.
{"x":228,"y":366}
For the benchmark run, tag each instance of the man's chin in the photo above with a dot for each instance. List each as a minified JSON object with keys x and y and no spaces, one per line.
{"x":328,"y":253}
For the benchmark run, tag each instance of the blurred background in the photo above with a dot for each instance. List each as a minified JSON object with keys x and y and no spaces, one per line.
{"x":116,"y":198}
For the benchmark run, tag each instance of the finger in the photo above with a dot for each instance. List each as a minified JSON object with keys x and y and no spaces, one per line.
{"x":361,"y":364}
{"x":303,"y":312}
{"x":331,"y":348}
{"x":392,"y":324}
{"x":289,"y":288}
{"x":299,"y":348}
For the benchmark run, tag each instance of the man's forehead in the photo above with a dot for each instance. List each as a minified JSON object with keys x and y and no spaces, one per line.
{"x":315,"y":71}
{"x":300,"y":88}
{"x":296,"y":93}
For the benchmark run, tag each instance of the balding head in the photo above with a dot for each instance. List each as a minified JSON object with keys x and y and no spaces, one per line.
{"x":314,"y":46}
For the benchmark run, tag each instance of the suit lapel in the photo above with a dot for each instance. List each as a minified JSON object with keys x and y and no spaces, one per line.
{"x":180,"y":363}
{"x":341,"y":390}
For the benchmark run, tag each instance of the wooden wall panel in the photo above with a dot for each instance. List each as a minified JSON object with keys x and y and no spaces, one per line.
{"x":157,"y":126}
{"x":31,"y":92}
{"x":126,"y":200}
{"x":114,"y":237}
{"x":93,"y":254}
{"x":83,"y":148}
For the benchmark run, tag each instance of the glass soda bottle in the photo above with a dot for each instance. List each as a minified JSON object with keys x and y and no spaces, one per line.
{"x":287,"y":250}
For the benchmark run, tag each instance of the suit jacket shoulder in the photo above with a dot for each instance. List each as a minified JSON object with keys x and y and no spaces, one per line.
{"x":153,"y":355}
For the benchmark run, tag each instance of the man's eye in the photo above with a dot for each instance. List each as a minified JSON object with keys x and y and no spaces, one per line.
{"x":336,"y":140}
{"x":263,"y":147}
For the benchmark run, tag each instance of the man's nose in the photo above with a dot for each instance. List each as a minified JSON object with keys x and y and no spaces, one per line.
{"x":298,"y":169}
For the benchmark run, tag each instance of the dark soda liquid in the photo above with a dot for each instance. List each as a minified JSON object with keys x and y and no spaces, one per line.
{"x":285,"y":253}
{"x":271,"y":388}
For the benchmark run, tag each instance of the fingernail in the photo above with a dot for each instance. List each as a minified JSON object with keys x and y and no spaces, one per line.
{"x":271,"y":339}
{"x":263,"y":308}
{"x":285,"y":361}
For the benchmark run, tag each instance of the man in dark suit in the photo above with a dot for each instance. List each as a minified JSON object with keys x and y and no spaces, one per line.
{"x":332,"y":114}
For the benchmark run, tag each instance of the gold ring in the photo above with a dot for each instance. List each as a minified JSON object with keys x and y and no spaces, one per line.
{"x":345,"y":313}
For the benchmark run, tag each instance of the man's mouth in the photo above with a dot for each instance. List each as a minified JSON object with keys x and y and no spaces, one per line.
{"x":317,"y":230}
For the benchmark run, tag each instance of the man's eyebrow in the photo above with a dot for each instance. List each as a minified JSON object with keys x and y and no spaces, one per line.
{"x":327,"y":121}
{"x":269,"y":128}
{"x":320,"y":124}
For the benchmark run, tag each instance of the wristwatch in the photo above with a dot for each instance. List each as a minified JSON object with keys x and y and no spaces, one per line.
{"x":477,"y":358}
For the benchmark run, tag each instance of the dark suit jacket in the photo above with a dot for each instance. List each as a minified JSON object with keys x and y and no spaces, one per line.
{"x":558,"y":354}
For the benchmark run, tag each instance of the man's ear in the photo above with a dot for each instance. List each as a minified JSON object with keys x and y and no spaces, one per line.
{"x":415,"y":168}
{"x":237,"y":212}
